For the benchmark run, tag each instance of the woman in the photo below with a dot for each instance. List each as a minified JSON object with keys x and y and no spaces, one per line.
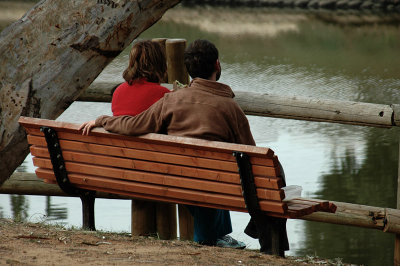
{"x":147,"y":68}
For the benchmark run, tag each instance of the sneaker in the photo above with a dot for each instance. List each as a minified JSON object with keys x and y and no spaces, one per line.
{"x":229,"y":242}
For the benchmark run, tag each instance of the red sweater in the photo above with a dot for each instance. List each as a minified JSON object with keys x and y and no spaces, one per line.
{"x":134,"y":99}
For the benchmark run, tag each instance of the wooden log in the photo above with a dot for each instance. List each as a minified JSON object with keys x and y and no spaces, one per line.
{"x":30,"y":184}
{"x":314,"y":109}
{"x":47,"y":61}
{"x":355,"y":215}
{"x":301,"y":108}
{"x":346,"y":213}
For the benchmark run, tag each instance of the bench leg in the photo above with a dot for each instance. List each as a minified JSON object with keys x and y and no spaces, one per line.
{"x":88,"y":199}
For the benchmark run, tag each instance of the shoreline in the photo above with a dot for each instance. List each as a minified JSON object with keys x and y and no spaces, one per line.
{"x":43,"y":244}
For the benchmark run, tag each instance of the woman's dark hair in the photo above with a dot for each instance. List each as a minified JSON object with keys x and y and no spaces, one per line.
{"x":146,"y":60}
{"x":200,"y":58}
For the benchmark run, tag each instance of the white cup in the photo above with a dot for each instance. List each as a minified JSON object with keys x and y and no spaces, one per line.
{"x":292,"y":192}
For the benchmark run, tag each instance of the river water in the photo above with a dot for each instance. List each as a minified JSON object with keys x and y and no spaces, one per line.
{"x":343,"y":56}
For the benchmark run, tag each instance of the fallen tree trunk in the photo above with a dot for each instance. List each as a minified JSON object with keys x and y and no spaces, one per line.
{"x":54,"y":52}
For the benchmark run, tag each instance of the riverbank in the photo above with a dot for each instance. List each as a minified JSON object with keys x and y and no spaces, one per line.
{"x":41,"y":244}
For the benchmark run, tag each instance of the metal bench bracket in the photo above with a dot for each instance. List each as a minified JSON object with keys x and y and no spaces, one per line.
{"x":57,"y":160}
{"x":249,"y":189}
{"x":270,"y":231}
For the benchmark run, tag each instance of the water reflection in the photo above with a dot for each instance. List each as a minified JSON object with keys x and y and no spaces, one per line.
{"x":54,"y":212}
{"x":370,"y":183}
{"x":373,"y":181}
{"x":19,"y":207}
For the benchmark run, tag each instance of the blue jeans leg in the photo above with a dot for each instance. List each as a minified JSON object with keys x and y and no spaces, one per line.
{"x":210,"y":224}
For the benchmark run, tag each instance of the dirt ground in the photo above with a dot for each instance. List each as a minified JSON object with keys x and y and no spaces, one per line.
{"x":40,"y":244}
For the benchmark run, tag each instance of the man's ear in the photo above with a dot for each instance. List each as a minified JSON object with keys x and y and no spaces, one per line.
{"x":217,"y":65}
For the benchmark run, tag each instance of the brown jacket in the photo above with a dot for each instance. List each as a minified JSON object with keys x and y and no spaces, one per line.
{"x":204,"y":110}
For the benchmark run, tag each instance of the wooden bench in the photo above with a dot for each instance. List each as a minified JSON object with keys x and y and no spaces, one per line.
{"x":163,"y":168}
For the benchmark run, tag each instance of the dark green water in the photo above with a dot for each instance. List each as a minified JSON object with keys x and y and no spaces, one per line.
{"x":349,"y":57}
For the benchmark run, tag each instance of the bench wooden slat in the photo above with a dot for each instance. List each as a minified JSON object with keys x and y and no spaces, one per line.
{"x":48,"y":176}
{"x":272,"y":183}
{"x":154,"y":156}
{"x":318,"y":204}
{"x":180,"y":145}
{"x":226,"y":177}
{"x":162,"y":179}
{"x":164,"y":193}
{"x":141,"y":165}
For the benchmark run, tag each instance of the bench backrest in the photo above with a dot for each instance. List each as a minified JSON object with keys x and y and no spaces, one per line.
{"x":160,"y":167}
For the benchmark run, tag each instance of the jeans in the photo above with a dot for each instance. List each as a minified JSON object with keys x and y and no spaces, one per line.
{"x":210,"y":224}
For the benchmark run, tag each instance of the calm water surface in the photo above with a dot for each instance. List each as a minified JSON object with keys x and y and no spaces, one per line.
{"x":345,"y":57}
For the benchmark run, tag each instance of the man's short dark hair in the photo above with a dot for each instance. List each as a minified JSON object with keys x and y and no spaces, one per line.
{"x":200,"y":58}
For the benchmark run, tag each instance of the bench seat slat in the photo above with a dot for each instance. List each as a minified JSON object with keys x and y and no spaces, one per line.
{"x":164,"y":193}
{"x":154,"y":156}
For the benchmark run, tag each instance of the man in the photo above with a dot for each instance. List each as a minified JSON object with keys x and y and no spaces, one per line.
{"x":204,"y":110}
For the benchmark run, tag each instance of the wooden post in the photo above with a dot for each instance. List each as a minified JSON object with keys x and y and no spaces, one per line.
{"x":150,"y":218}
{"x":143,"y":218}
{"x":166,"y":220}
{"x":396,"y":259}
{"x":162,"y":41}
{"x":177,"y":71}
{"x":165,"y":213}
{"x":176,"y":66}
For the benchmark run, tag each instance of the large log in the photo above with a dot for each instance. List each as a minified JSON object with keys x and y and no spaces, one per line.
{"x":29,"y":184}
{"x":54,"y":52}
{"x":292,"y":107}
{"x":382,"y":219}
{"x":315,"y":109}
